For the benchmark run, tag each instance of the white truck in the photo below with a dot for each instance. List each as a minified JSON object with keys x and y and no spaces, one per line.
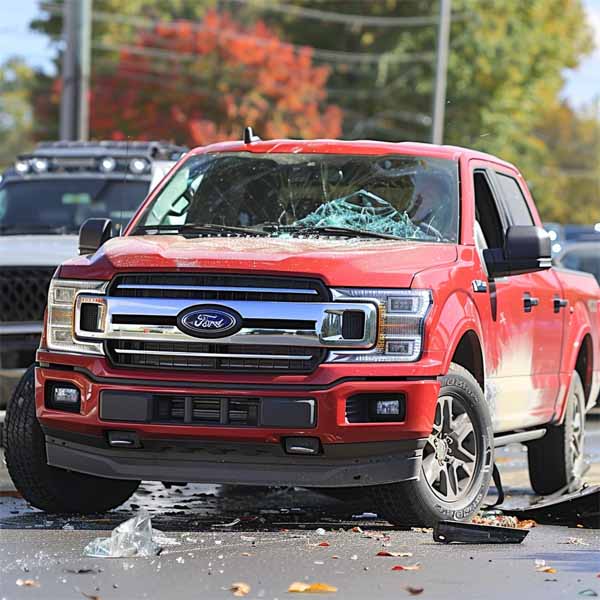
{"x":44,"y":199}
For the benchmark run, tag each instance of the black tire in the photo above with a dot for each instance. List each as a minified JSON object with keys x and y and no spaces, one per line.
{"x":422,"y":503}
{"x":49,"y":488}
{"x":556,"y":460}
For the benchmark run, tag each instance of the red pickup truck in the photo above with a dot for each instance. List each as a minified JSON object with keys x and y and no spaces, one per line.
{"x":327,"y":314}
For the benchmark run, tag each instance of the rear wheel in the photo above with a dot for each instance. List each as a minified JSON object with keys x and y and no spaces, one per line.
{"x":457,"y":460}
{"x":48,"y":488}
{"x":557,"y":459}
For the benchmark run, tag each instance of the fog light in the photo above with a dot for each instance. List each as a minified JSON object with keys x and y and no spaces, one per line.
{"x":387,"y":407}
{"x":63,"y":396}
{"x":108,"y":164}
{"x":138,"y":165}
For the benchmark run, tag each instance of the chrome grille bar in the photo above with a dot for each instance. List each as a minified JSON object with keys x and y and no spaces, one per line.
{"x":206,"y":288}
{"x":214,"y":355}
{"x":327,"y":317}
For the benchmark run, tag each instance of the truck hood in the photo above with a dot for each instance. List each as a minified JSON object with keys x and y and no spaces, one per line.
{"x":36,"y":250}
{"x":353,"y":262}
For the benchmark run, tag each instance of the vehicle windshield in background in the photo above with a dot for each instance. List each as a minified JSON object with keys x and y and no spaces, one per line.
{"x":396,"y":196}
{"x":62,"y":205}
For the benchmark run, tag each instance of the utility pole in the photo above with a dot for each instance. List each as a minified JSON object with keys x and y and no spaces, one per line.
{"x":74,"y":105}
{"x":441,"y":71}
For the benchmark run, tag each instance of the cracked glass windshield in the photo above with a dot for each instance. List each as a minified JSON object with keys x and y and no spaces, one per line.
{"x":393,"y":196}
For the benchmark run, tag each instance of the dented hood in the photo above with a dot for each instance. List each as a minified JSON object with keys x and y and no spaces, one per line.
{"x":340,"y":262}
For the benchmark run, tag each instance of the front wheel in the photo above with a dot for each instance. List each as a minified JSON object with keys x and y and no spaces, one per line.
{"x":49,"y":488}
{"x":457,"y":460}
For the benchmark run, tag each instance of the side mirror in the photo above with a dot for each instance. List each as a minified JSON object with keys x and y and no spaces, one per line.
{"x":93,"y":233}
{"x":526,"y":249}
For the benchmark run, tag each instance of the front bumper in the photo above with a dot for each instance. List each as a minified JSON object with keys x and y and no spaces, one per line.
{"x":352,"y":454}
{"x":200,"y":461}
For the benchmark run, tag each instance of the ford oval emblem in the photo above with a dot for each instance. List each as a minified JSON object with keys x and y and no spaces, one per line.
{"x":209,"y":321}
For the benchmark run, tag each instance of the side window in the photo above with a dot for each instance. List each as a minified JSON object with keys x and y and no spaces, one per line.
{"x":486,"y":212}
{"x":516,"y":203}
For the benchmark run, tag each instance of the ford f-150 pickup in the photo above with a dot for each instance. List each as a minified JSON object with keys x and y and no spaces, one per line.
{"x":328,"y":314}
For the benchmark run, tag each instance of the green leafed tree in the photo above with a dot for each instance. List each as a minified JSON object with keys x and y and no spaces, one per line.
{"x":16,"y":118}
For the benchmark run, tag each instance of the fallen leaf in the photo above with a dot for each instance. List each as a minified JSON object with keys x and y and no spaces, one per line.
{"x":28,"y":583}
{"x":394,"y":554}
{"x":91,"y":596}
{"x":406,"y":567}
{"x":311,"y":588}
{"x":324,"y":544}
{"x":550,"y":570}
{"x":356,"y":530}
{"x":414,"y":591}
{"x":240,"y":589}
{"x":247,"y":554}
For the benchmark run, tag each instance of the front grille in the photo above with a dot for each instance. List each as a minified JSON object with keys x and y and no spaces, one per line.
{"x":213,"y":287}
{"x":24,"y":293}
{"x":213,"y":357}
{"x":207,"y":410}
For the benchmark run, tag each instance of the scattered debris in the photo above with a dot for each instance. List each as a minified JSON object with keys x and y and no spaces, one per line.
{"x":354,"y":557}
{"x":578,"y":509}
{"x":226,"y":525}
{"x":589,"y":593}
{"x":414,"y":567}
{"x":574,"y":541}
{"x":28,"y":583}
{"x":366,"y":515}
{"x":422,"y":529}
{"x":311,"y":588}
{"x":85,"y":571}
{"x":394,"y":554}
{"x":414,"y":591}
{"x":320,"y":531}
{"x":542,"y":567}
{"x":240,"y":589}
{"x":134,"y":537}
{"x":356,"y":530}
{"x":500,"y":520}
{"x":447,"y":532}
{"x":91,"y":596}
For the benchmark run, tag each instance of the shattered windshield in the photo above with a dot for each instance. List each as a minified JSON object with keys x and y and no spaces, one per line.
{"x":396,"y":196}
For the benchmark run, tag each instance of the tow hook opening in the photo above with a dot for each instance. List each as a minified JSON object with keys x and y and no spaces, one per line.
{"x":123,"y":439}
{"x":302,"y":445}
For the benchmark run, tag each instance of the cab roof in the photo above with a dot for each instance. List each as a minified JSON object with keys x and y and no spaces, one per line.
{"x":325,"y":146}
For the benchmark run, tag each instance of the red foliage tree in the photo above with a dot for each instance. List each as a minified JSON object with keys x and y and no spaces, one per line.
{"x":200,"y":83}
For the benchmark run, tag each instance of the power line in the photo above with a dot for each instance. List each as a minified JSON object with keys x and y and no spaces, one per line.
{"x":346,"y":19}
{"x":334,"y":56}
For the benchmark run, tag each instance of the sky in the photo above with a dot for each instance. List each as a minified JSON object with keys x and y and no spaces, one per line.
{"x":581,"y":87}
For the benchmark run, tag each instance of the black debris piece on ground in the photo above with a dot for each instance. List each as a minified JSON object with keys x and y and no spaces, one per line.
{"x":580,"y":508}
{"x":447,"y":532}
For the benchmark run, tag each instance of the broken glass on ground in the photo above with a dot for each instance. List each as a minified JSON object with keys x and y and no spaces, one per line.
{"x":134,"y":537}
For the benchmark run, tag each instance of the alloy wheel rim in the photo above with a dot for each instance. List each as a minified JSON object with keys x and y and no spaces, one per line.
{"x":450,"y":453}
{"x":577,"y":435}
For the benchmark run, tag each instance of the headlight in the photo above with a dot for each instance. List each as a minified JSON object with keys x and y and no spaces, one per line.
{"x":402,"y":316}
{"x":63,"y":297}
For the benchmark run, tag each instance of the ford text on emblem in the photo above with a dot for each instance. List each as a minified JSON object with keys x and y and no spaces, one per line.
{"x":209,"y":321}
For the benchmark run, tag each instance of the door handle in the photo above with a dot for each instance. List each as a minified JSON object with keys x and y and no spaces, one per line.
{"x":529,"y":302}
{"x":560,"y":303}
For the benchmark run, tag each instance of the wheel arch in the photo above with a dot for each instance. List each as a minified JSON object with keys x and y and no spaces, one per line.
{"x":468,"y":353}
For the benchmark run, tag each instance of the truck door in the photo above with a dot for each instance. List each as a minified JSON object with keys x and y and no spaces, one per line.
{"x":509,"y":338}
{"x":544,"y":309}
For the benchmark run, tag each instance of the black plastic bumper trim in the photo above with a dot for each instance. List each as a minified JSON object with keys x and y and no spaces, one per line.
{"x":198,"y":461}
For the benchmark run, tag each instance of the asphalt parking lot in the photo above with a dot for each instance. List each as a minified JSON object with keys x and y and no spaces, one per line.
{"x":277,"y":541}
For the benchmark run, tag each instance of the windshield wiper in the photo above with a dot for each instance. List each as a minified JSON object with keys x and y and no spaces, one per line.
{"x":341,"y":231}
{"x":208,"y":228}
